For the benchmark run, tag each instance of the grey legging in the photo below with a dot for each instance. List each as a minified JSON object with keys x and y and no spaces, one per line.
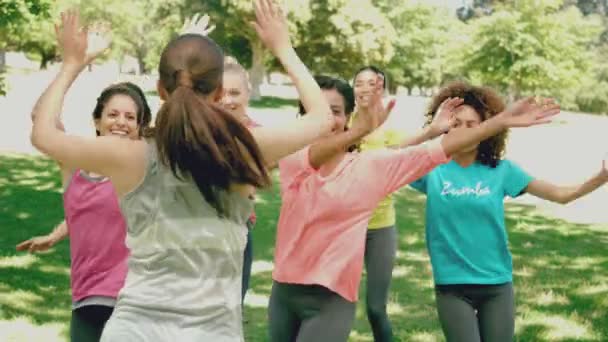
{"x":308,"y":313}
{"x":475,"y":313}
{"x":380,"y":251}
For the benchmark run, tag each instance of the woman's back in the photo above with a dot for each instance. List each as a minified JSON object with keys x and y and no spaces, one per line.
{"x":185,"y":265}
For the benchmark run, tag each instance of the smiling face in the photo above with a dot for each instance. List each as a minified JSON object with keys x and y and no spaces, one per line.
{"x":236,"y":93}
{"x":119,"y":117}
{"x":338,"y":108}
{"x":365,"y":85}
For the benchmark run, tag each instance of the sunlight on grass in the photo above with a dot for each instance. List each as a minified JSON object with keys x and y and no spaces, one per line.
{"x":49,"y":186}
{"x":424,"y":337}
{"x":413,"y":256}
{"x":524,"y":272}
{"x":402,"y":271}
{"x":256,"y":300}
{"x":55,"y":269}
{"x":21,"y":329}
{"x":592,"y":290}
{"x":411,"y":239}
{"x":547,"y":298}
{"x":24,"y":300}
{"x":585,"y":263}
{"x":18,"y":261}
{"x":557,"y":327}
{"x":23,"y":216}
{"x":261,"y":266}
{"x":393,"y":307}
{"x":356,"y":336}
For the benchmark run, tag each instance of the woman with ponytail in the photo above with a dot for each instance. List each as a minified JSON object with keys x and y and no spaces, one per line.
{"x":186,"y":189}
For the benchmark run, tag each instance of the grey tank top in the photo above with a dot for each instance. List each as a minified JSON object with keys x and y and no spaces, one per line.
{"x":185,"y":266}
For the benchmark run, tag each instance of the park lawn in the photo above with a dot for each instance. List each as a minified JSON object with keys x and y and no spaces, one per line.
{"x":561,"y":268}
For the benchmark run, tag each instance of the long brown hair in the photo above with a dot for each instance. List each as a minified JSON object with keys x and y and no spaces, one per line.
{"x":487,"y":103}
{"x":195,"y":136}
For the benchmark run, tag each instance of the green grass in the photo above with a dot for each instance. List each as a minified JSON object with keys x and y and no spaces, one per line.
{"x":273,"y":102}
{"x":561,"y":268}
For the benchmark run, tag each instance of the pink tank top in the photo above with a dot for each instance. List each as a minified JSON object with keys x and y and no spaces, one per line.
{"x":97,"y":237}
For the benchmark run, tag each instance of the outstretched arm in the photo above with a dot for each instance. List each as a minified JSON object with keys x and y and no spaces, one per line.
{"x":523,"y":113}
{"x":567,"y":194}
{"x":277,"y":142}
{"x":43,"y":243}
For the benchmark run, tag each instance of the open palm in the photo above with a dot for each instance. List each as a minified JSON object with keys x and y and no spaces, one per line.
{"x":197,"y":25}
{"x":528,"y":112}
{"x":445,"y":117}
{"x":271,"y":25}
{"x":80,"y":46}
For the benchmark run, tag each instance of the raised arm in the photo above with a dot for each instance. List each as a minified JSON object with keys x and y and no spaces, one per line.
{"x":108,"y":156}
{"x":567,"y":194}
{"x":523,"y":113}
{"x":366,"y":121}
{"x":277,"y":142}
{"x":43,"y":243}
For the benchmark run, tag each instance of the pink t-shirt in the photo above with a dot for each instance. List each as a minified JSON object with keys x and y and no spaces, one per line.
{"x":97,"y":238}
{"x":323,"y":221}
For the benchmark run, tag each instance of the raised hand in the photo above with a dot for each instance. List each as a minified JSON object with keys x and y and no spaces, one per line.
{"x":37,"y":244}
{"x":445,"y":117}
{"x":197,"y":25}
{"x":530,"y":112}
{"x":271,"y":26}
{"x":80,"y":46}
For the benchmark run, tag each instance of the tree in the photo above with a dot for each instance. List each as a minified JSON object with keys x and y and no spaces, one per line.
{"x":13,"y":17}
{"x":331,"y":36}
{"x":337,"y":37}
{"x":535,"y":48}
{"x":424,"y":31}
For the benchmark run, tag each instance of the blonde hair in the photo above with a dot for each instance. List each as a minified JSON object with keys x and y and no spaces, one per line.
{"x":231,"y":64}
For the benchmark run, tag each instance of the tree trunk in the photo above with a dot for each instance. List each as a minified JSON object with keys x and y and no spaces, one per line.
{"x":44,"y":62}
{"x":409,"y":91}
{"x":2,"y":60}
{"x":257,"y":72}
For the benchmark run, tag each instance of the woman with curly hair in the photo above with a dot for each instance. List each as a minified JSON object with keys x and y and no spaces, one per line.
{"x":471,"y":262}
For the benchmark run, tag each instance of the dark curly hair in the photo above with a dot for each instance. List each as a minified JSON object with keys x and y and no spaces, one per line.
{"x":144,"y":115}
{"x":487,"y":103}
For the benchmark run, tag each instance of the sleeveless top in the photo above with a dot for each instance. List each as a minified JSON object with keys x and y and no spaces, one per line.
{"x":97,"y":232}
{"x":184,"y":278}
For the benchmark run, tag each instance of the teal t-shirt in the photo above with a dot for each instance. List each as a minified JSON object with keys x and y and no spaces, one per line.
{"x":465,"y":221}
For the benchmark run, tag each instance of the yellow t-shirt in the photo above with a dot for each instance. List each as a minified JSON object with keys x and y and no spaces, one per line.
{"x":384,"y":215}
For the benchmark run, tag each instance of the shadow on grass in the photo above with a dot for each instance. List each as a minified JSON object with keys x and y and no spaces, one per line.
{"x":34,"y":287}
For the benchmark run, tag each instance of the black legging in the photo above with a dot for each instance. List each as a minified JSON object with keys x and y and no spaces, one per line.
{"x":88,"y":322}
{"x":308,"y":313}
{"x":380,"y":251}
{"x":476,"y":313}
{"x":247,"y":262}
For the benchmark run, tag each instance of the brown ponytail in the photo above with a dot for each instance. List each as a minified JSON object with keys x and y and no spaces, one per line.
{"x":196,"y":137}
